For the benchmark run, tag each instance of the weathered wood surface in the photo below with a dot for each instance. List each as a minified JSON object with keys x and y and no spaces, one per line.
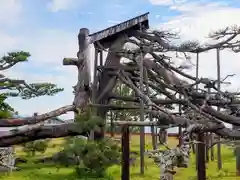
{"x":81,"y":89}
{"x":107,"y":83}
{"x":119,"y":27}
{"x":201,"y":167}
{"x":219,"y":156}
{"x":125,"y":153}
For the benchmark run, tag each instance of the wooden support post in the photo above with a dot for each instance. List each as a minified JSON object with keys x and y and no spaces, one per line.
{"x":125,"y":153}
{"x":100,"y":63}
{"x":201,"y":168}
{"x":197,"y":74}
{"x":94,"y":89}
{"x":112,"y":125}
{"x":219,"y":158}
{"x":207,"y":137}
{"x":179,"y":136}
{"x":101,"y":57}
{"x":237,"y":151}
{"x":197,"y":69}
{"x":142,"y":129}
{"x":106,"y":82}
{"x":212,"y":148}
{"x":237,"y":154}
{"x":154,"y":139}
{"x":180,"y":128}
{"x":207,"y":140}
{"x":211,"y":140}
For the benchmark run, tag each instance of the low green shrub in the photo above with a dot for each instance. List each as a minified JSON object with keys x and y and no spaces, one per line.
{"x":35,"y":146}
{"x":93,"y":158}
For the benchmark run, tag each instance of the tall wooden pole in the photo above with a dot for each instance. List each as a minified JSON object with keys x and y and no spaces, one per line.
{"x":201,"y":150}
{"x":154,"y":139}
{"x":125,"y":153}
{"x":201,"y":168}
{"x":207,"y":139}
{"x":211,"y":139}
{"x":237,"y":154}
{"x":100,"y":63}
{"x":212,"y":148}
{"x":142,"y":129}
{"x":180,"y":128}
{"x":197,"y":69}
{"x":112,"y":125}
{"x":237,"y":151}
{"x":94,"y":89}
{"x":197,"y":74}
{"x":219,"y":158}
{"x":101,"y":58}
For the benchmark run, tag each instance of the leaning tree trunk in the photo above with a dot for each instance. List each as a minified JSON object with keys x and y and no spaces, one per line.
{"x":107,"y":82}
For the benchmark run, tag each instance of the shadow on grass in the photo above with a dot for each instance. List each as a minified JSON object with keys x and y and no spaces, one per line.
{"x":51,"y":176}
{"x":70,"y":176}
{"x":32,"y":166}
{"x":135,"y":175}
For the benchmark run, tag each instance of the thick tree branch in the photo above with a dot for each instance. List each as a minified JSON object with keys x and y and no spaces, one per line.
{"x":39,"y":132}
{"x":226,"y":118}
{"x":13,"y":122}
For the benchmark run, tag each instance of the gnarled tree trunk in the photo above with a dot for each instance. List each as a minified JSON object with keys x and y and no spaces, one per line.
{"x":107,"y":82}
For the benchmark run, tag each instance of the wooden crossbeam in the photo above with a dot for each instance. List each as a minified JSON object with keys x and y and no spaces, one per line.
{"x":141,"y":123}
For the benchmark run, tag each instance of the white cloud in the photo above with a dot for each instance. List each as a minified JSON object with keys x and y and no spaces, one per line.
{"x":197,"y":20}
{"x":161,"y":2}
{"x":10,"y":11}
{"x":58,"y":5}
{"x":48,"y":48}
{"x":7,"y":43}
{"x":167,"y":2}
{"x":197,"y":6}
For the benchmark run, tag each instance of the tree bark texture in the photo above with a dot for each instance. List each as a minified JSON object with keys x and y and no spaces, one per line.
{"x":107,"y":83}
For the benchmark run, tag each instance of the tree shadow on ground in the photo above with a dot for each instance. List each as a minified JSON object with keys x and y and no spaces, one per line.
{"x":70,"y":176}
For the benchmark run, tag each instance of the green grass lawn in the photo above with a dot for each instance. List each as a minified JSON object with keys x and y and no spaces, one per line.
{"x":31,"y":171}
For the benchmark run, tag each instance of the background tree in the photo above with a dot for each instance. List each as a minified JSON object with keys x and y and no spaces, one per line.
{"x":31,"y":148}
{"x":19,"y":88}
{"x":124,"y":114}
